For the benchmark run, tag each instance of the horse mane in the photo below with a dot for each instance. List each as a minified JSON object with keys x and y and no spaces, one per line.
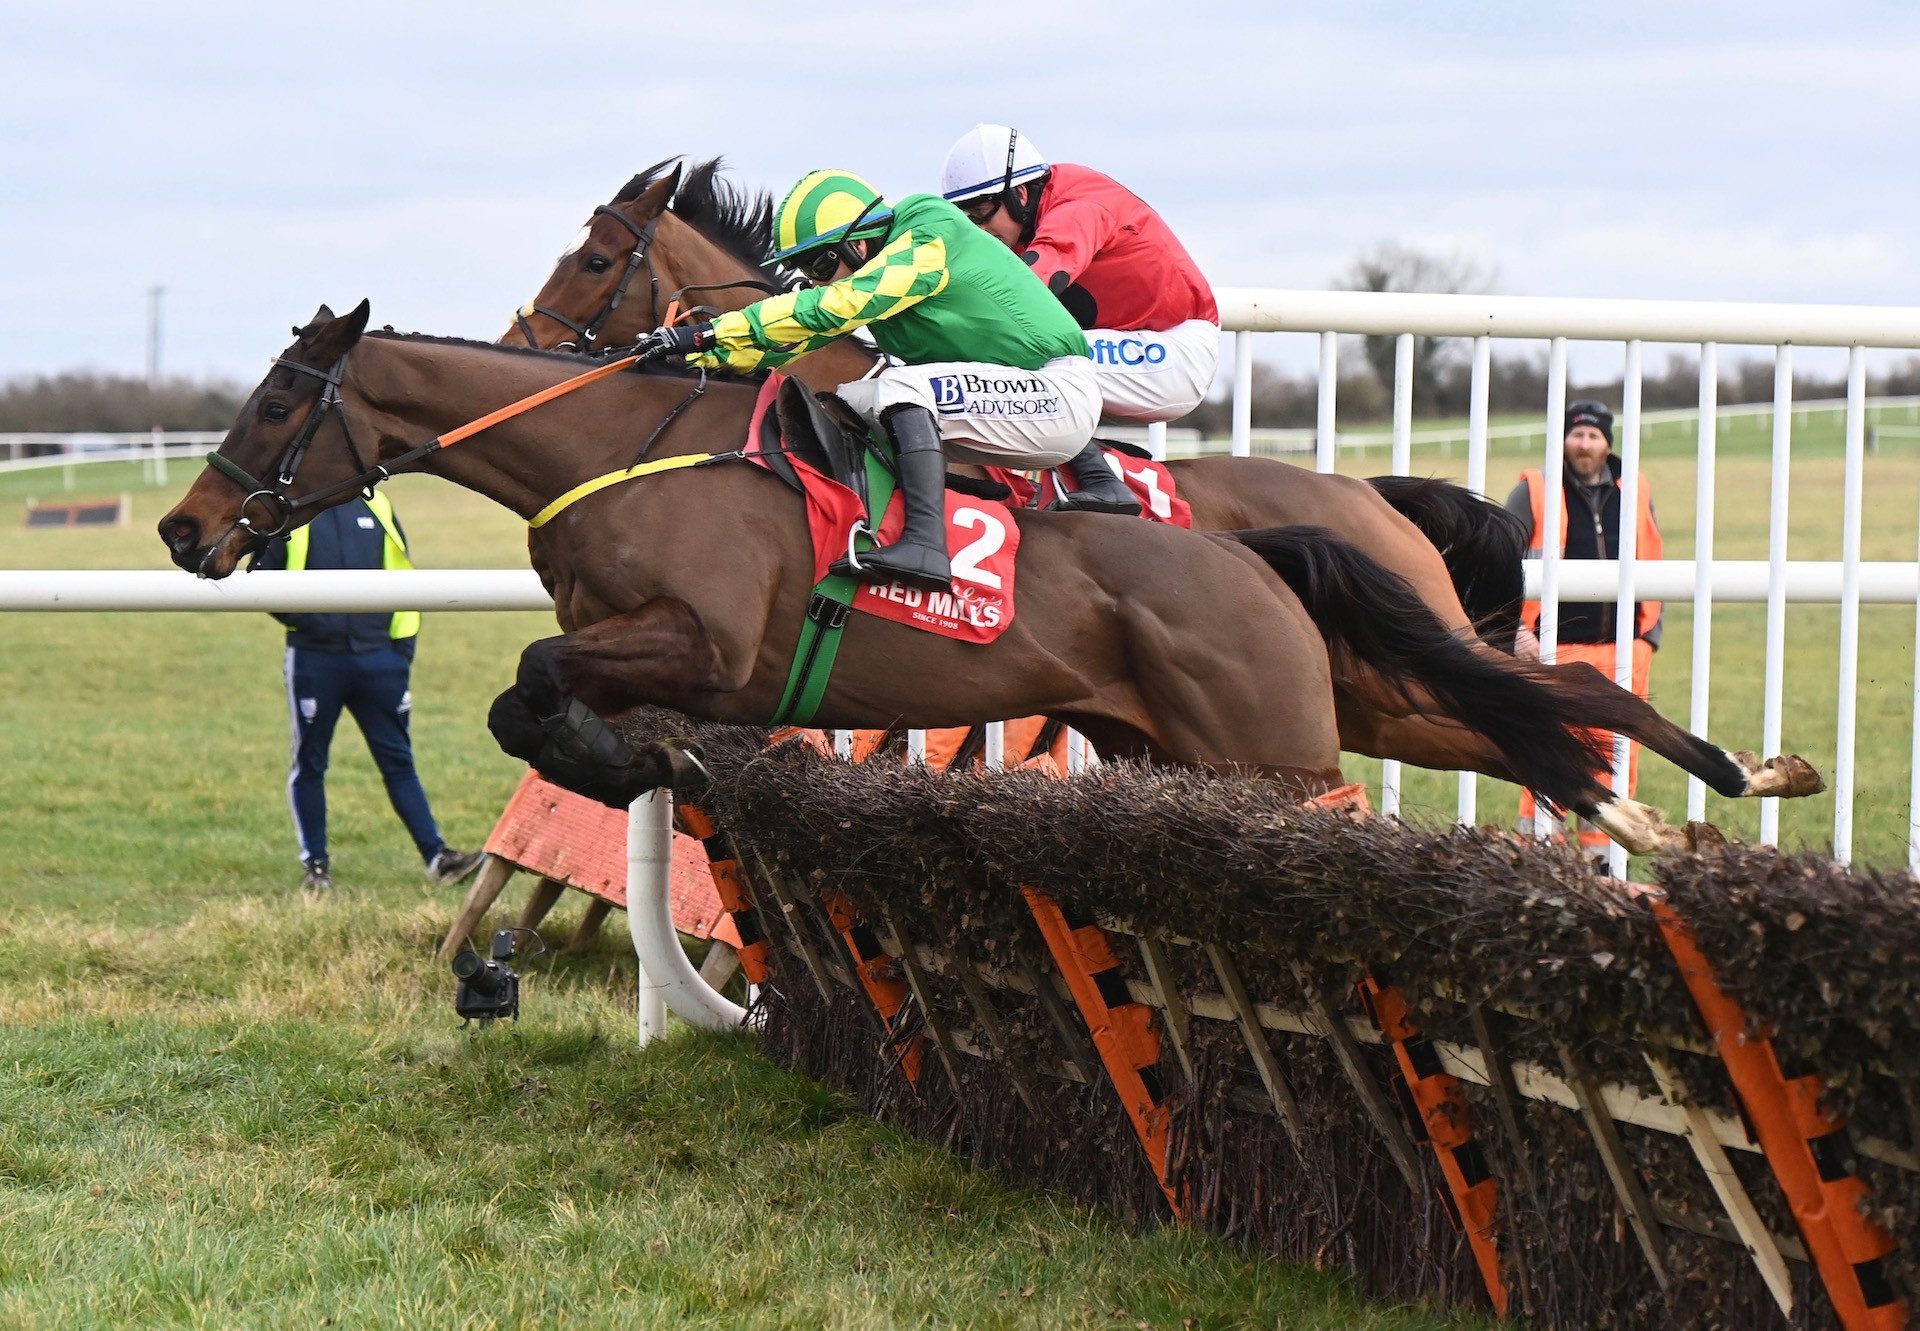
{"x":737,"y":219}
{"x":666,"y":369}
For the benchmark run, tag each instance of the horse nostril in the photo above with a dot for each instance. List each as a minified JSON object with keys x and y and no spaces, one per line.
{"x":180,"y":534}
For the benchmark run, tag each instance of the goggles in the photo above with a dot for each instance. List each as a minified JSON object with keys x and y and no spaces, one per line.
{"x":816,"y":267}
{"x":980,"y":207}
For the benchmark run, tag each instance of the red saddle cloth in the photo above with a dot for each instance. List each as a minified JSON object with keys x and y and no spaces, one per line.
{"x":1150,"y":481}
{"x":982,"y":541}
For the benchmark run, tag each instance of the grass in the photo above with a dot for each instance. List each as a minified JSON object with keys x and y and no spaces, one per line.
{"x":222,"y":1104}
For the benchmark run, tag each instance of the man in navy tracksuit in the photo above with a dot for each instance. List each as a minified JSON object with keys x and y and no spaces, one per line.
{"x":363,"y":663}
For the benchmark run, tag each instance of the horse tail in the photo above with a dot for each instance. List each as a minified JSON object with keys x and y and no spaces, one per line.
{"x":1480,"y":542}
{"x":1372,"y":614}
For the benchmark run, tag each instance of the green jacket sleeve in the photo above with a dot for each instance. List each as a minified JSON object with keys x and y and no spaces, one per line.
{"x":771,"y":332}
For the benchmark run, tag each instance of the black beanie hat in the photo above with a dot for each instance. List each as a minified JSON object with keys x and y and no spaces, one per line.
{"x":1590,"y":413}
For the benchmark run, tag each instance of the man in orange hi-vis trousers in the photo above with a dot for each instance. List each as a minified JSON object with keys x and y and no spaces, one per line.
{"x":1590,"y":529}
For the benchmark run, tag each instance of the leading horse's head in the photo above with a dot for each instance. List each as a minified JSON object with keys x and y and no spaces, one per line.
{"x":666,"y":235}
{"x":291,"y":440}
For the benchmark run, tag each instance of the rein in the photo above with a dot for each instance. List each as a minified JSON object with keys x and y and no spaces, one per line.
{"x":283,"y":509}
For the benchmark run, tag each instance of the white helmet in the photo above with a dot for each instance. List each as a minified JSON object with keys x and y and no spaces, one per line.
{"x":989,"y":159}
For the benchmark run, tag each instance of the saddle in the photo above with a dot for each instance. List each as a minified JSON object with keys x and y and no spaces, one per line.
{"x":828,"y":435}
{"x":810,"y":426}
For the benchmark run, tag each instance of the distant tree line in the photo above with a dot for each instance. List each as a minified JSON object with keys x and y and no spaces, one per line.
{"x":80,"y":400}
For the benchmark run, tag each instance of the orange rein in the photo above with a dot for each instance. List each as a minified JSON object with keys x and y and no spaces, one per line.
{"x":532,"y":400}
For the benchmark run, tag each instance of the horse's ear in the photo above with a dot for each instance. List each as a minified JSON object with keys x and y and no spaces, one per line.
{"x":338,"y":335}
{"x":321,"y":318}
{"x":654,"y":198}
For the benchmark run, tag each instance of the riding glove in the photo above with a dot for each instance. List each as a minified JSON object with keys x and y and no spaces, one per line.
{"x":681,"y":340}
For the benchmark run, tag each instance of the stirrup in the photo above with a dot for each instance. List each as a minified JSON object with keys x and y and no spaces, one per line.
{"x":929,"y":571}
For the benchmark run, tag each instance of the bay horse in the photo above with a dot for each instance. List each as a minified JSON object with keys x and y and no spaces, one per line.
{"x":690,"y":234}
{"x":688,"y":589}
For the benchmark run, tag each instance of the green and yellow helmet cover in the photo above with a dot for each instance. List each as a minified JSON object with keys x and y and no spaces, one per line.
{"x":823,"y":209}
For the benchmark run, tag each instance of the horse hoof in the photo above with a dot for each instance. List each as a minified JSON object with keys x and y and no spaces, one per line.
{"x":1785,"y":776}
{"x":1704,"y":838}
{"x":687,"y":772}
{"x":1641,"y":828}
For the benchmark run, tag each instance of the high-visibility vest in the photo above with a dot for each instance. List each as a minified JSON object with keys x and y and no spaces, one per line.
{"x":393,"y":554}
{"x":1648,"y":544}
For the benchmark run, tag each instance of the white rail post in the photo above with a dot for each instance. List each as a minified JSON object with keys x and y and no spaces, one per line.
{"x":1466,"y":783}
{"x":916,"y":746}
{"x":1776,"y":660}
{"x":1849,"y":605}
{"x":1625,"y":621}
{"x":666,"y":976}
{"x":1402,"y":465}
{"x":994,"y":753}
{"x":1553,"y":522}
{"x":649,"y":870}
{"x":1242,"y":394}
{"x":843,"y":744}
{"x":1157,"y":440}
{"x":1324,"y":439}
{"x":1703,"y":503}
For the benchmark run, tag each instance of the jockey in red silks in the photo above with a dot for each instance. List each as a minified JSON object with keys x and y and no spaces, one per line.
{"x":1111,"y":260}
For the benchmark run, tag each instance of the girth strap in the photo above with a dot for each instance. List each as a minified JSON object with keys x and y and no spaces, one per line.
{"x":827,"y":611}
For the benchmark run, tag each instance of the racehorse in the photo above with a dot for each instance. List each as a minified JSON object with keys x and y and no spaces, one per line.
{"x":687,"y":589}
{"x":691,"y":235}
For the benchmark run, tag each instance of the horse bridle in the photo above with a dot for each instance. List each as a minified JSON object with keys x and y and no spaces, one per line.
{"x":271,"y":496}
{"x":281,"y":507}
{"x":587,"y":333}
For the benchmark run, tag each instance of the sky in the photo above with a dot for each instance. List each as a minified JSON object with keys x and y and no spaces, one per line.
{"x":258,"y":159}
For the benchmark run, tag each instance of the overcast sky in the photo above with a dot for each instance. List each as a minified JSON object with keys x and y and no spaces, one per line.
{"x":258,"y":159}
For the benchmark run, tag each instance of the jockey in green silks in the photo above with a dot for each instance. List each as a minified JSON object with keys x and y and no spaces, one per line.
{"x":995,"y":371}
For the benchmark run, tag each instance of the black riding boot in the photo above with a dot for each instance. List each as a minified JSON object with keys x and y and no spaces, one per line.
{"x":919,"y":557}
{"x":1100,"y":490}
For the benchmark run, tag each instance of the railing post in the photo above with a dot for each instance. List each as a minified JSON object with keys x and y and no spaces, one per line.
{"x":1849,"y":606}
{"x":1242,"y":394}
{"x":1626,"y":629}
{"x":1775,"y":680}
{"x":1703,"y":504}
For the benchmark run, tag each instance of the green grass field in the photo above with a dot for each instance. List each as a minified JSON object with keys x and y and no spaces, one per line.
{"x":224,"y":1105}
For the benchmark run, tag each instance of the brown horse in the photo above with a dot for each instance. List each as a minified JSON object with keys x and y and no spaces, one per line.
{"x":671,"y":236}
{"x":674,"y":240}
{"x":688,"y":589}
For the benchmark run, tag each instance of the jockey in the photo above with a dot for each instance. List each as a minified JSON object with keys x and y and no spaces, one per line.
{"x":1115,"y":265}
{"x":995,"y":371}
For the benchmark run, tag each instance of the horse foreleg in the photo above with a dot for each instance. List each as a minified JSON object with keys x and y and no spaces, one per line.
{"x":553,"y":717}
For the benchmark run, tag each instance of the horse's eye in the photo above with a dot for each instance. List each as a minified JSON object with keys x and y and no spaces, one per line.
{"x":599,"y":263}
{"x":275,"y":411}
